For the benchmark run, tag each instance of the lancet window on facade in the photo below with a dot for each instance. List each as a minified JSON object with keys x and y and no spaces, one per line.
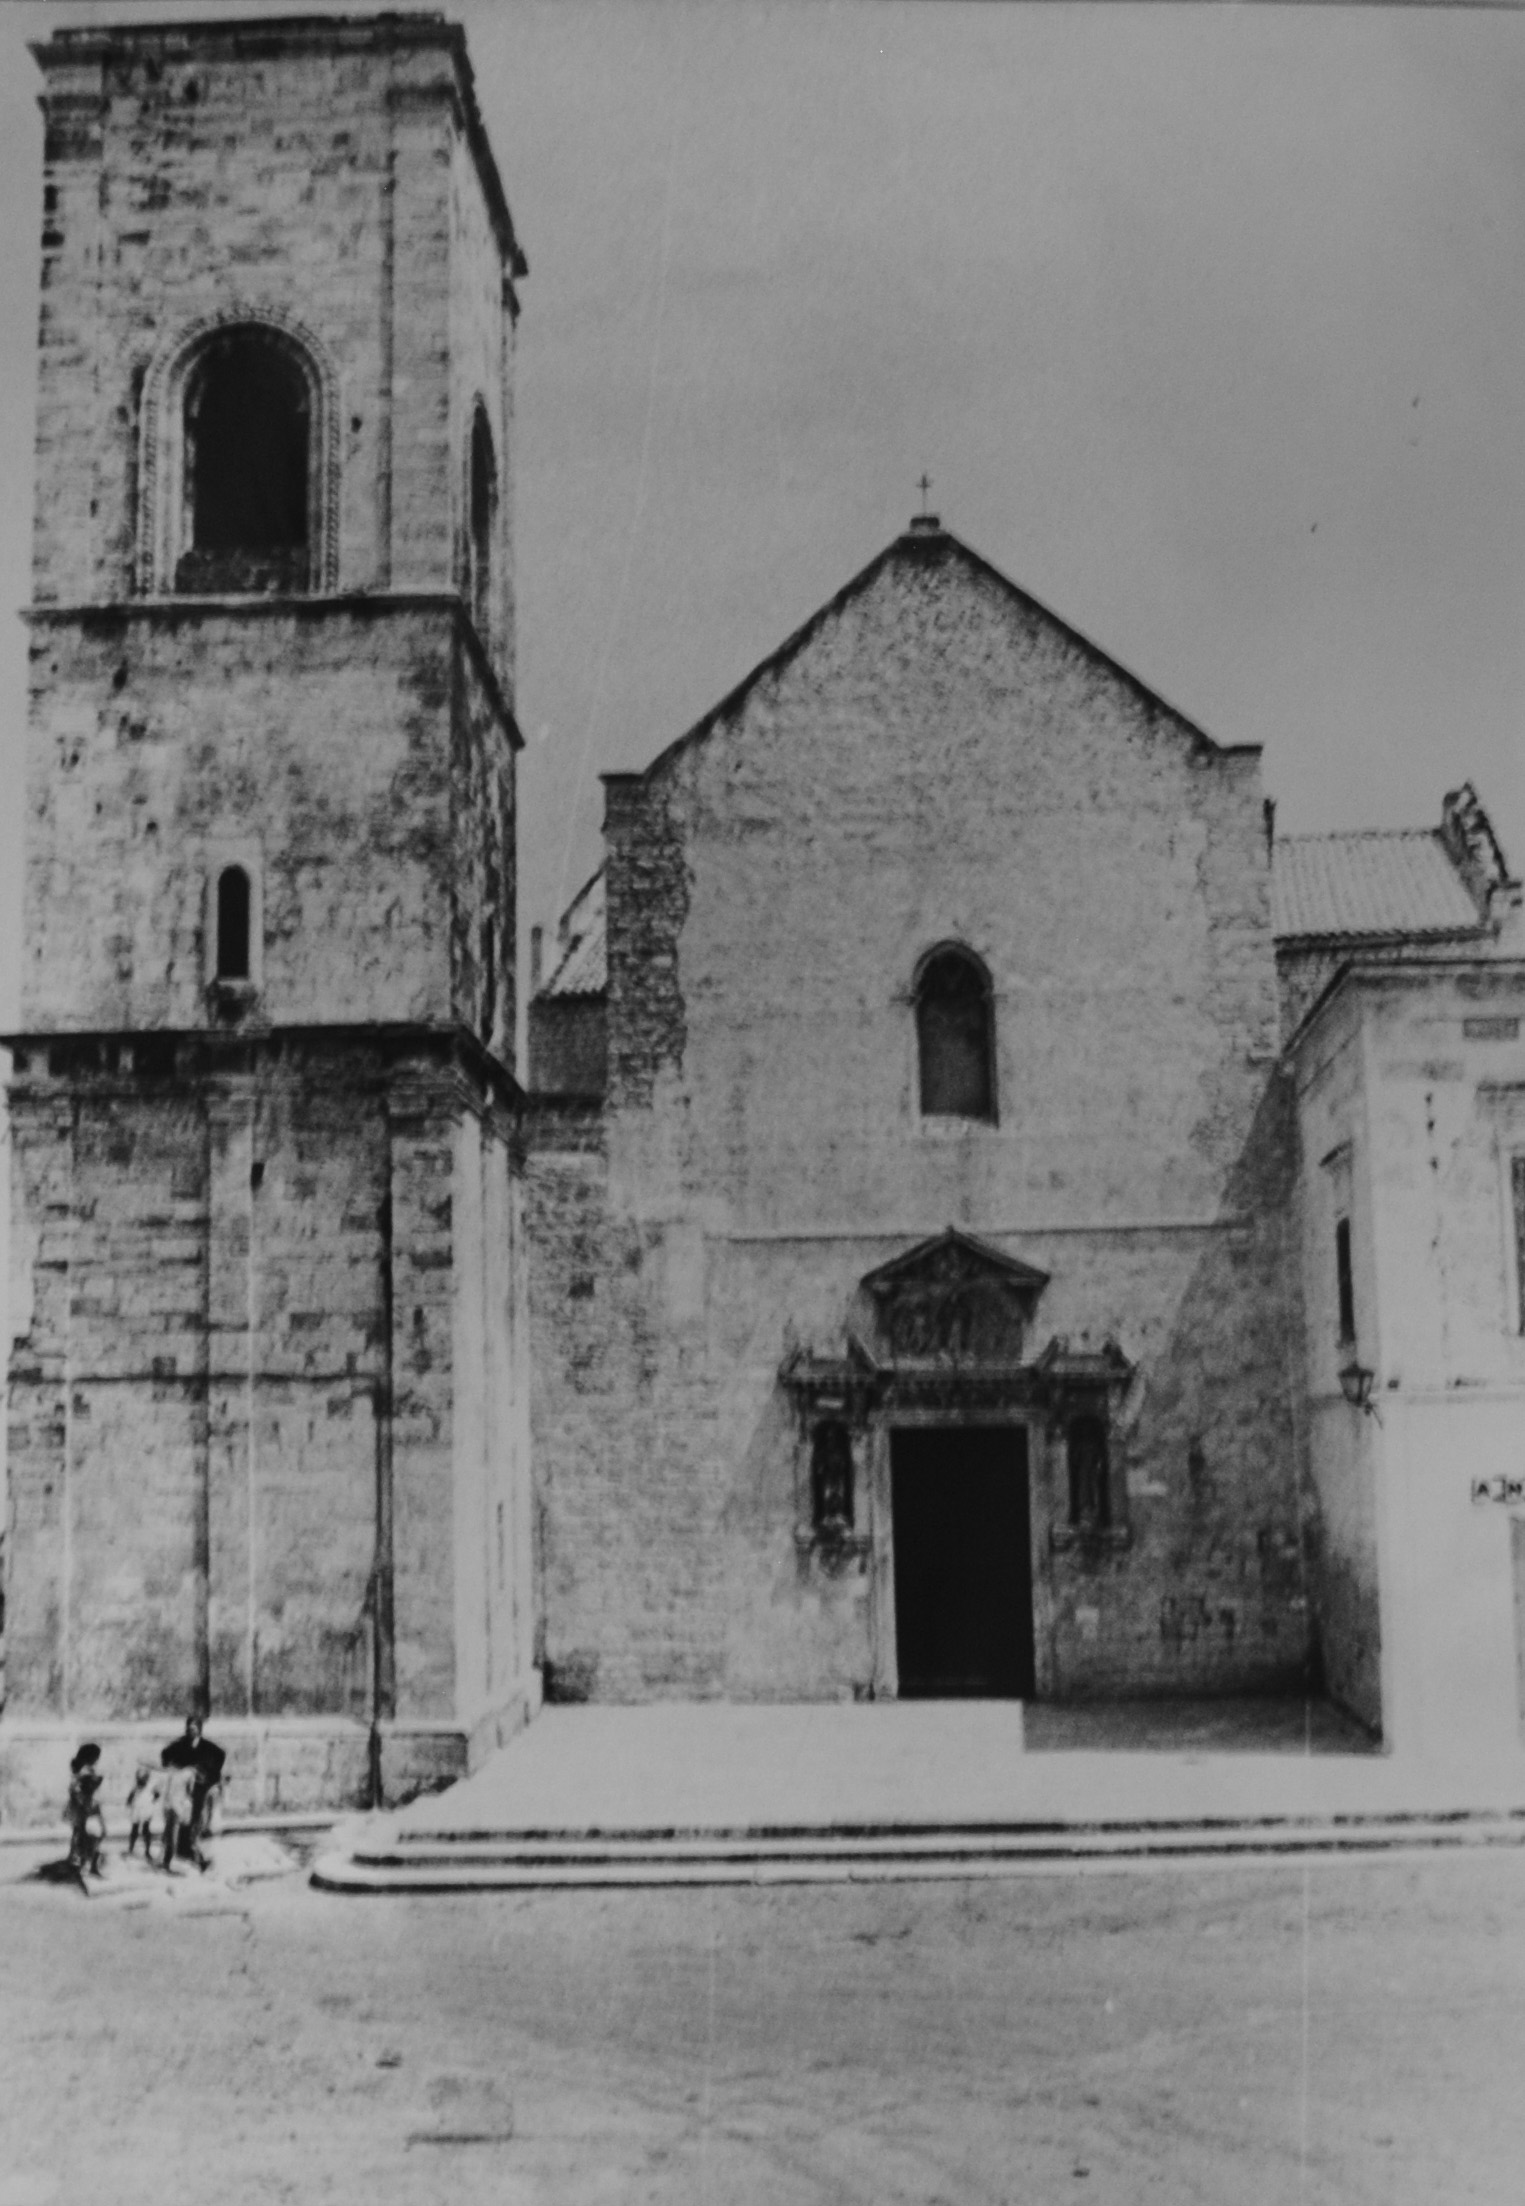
{"x":233,"y":915}
{"x":955,"y":1037}
{"x":482,"y":514}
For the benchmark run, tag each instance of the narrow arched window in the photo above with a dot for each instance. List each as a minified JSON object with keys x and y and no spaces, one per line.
{"x":481,"y":521}
{"x":1090,"y":1481}
{"x":831,"y":1478}
{"x":247,"y":467}
{"x":954,"y":1037}
{"x":233,"y":909}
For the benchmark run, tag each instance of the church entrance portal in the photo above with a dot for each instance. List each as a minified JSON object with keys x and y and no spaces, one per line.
{"x":963,"y":1562}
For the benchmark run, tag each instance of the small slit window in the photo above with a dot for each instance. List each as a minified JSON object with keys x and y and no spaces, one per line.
{"x":233,"y":920}
{"x":248,"y":435}
{"x":482,"y":504}
{"x":1345,"y":1284}
{"x":1517,"y":1205}
{"x":1090,"y":1474}
{"x":954,"y":1037}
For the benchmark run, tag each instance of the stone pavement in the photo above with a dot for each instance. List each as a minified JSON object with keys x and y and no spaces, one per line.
{"x":675,"y":1766}
{"x":235,"y":1861}
{"x":684,"y":1792}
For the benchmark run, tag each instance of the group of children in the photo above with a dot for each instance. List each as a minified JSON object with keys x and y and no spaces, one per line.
{"x":174,"y":1804}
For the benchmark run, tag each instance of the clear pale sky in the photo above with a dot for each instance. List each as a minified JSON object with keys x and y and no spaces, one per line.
{"x":1206,"y":322}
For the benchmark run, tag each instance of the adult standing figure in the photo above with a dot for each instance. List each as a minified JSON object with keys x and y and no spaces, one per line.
{"x":203,"y":1760}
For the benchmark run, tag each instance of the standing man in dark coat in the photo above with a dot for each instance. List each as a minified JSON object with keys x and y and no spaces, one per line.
{"x":193,"y":1751}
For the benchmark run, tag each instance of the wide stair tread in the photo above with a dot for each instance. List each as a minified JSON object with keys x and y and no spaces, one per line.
{"x":434,"y":1861}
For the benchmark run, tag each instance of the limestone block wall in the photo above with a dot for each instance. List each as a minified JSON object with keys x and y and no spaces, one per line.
{"x":332,"y":175}
{"x":482,"y":882}
{"x":349,"y":753}
{"x":669,"y":1469}
{"x":935,"y":759}
{"x":267,"y":1400}
{"x":568,"y":1046}
{"x":482,"y":320}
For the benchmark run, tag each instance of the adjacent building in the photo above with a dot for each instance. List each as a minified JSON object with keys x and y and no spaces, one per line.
{"x":1403,"y":961}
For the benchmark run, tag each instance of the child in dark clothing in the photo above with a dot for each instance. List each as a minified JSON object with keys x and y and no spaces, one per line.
{"x":87,"y":1825}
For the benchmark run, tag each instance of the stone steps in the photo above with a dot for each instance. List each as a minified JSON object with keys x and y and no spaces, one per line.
{"x":395,"y":1860}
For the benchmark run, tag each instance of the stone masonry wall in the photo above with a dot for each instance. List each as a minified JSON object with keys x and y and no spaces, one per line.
{"x":241,"y":1439}
{"x":319,"y":744}
{"x":937,"y":760}
{"x":268,"y":1394}
{"x":568,"y":1045}
{"x":322,"y":173}
{"x":483,"y":872}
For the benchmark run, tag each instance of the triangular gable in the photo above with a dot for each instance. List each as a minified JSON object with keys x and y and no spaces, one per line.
{"x":955,"y":1255}
{"x":929,"y":543}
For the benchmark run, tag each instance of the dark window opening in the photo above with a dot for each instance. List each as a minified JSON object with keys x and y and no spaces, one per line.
{"x":481,"y":517}
{"x":233,"y":924}
{"x":1090,"y":1474}
{"x":1517,"y":1182}
{"x":248,"y":434}
{"x":1346,"y":1282}
{"x":831,"y":1479}
{"x":953,"y":1037}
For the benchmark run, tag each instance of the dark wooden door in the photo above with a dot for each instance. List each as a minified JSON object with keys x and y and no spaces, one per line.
{"x":963,"y":1562}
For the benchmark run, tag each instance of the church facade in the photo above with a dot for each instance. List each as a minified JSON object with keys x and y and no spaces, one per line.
{"x":911,"y":1164}
{"x":984,"y":1215}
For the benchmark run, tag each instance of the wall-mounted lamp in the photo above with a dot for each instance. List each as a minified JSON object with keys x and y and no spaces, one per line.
{"x":1356,"y":1383}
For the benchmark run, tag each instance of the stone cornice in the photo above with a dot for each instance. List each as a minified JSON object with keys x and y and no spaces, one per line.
{"x":449,"y":1053}
{"x":358,"y":604}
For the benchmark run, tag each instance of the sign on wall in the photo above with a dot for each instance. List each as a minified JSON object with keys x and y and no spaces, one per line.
{"x":1498,"y":1489}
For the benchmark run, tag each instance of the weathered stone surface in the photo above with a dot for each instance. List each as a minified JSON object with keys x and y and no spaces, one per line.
{"x":934,"y":759}
{"x":268,"y":1395}
{"x":263,"y":1288}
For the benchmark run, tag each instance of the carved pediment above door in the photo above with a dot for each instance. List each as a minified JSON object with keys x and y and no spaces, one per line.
{"x":953,"y":1301}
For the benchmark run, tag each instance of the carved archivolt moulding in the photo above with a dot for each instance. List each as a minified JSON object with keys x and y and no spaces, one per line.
{"x":163,"y":527}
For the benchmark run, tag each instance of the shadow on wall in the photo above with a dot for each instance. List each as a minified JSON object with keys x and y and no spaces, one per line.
{"x":1227,"y":1555}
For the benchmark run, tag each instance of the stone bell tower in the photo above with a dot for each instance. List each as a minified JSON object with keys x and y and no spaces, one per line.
{"x":268,"y":1448}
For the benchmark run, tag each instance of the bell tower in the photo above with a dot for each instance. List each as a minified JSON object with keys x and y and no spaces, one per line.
{"x":269,"y":1436}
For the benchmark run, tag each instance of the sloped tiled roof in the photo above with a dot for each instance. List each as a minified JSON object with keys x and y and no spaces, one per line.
{"x":1368,"y":885}
{"x":583,"y":969}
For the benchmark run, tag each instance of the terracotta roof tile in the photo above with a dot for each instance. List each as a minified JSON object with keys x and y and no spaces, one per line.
{"x":583,"y":969}
{"x":1367,"y":885}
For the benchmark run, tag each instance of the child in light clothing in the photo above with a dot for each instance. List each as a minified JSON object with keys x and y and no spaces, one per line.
{"x":179,"y":1791}
{"x":144,"y":1812}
